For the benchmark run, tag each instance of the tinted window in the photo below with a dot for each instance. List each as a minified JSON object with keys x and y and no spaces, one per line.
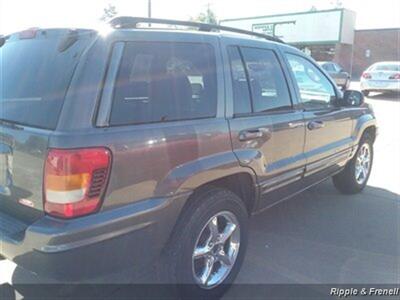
{"x":268,"y":85}
{"x":328,"y":67}
{"x":241,"y":94}
{"x":315,"y":89}
{"x":35,"y":74}
{"x":160,"y":81}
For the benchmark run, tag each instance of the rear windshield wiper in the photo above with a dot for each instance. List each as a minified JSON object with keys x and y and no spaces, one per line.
{"x":2,"y":41}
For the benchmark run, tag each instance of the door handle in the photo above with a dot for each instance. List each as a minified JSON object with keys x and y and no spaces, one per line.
{"x":313,"y":125}
{"x":252,"y":134}
{"x":295,"y":124}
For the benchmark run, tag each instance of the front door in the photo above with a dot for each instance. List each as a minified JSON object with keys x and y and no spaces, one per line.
{"x":267,"y":130}
{"x":328,"y":127}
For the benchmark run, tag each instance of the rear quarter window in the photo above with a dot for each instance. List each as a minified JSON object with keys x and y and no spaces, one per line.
{"x":164,"y":81}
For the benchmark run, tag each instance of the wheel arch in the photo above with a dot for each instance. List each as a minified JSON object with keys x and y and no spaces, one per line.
{"x":371,"y":131}
{"x":366,"y":123}
{"x":246,"y":190}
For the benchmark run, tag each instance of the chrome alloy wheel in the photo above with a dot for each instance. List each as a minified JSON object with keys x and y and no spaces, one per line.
{"x":216,"y":250}
{"x":363,"y":163}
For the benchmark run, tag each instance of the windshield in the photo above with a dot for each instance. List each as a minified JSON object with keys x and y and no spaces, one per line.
{"x":35,"y":75}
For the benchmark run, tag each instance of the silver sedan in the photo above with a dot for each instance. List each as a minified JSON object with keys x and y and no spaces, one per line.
{"x":381,"y":77}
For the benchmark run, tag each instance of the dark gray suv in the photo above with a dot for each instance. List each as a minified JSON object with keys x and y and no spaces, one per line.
{"x":340,"y":76}
{"x":141,"y":145}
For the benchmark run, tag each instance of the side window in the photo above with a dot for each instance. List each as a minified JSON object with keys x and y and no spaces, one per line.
{"x":163,"y":81}
{"x":328,"y":67}
{"x":267,"y":82}
{"x":316,"y":91}
{"x":240,"y":88}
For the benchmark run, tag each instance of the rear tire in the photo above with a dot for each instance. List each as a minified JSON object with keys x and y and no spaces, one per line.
{"x":350,"y":180}
{"x":180,"y":258}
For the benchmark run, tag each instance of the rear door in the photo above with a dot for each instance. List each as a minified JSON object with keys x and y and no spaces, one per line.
{"x":36,"y":68}
{"x":164,"y":117}
{"x":267,"y":130}
{"x":328,"y":127}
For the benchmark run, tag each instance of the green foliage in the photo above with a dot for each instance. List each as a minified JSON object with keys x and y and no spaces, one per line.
{"x":109,"y":12}
{"x":206,"y":17}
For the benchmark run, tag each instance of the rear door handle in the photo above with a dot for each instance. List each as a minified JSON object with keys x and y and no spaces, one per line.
{"x":252,"y":134}
{"x":313,"y":125}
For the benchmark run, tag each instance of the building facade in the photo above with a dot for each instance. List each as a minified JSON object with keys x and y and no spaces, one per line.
{"x":328,"y":35}
{"x":374,"y":45}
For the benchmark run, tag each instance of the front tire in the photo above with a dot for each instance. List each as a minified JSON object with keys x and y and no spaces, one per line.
{"x":208,"y":245}
{"x":355,"y":175}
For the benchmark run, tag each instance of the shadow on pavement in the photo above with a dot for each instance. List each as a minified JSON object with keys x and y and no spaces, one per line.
{"x":85,"y":292}
{"x":317,"y":237}
{"x":321,"y":236}
{"x":387,"y":96}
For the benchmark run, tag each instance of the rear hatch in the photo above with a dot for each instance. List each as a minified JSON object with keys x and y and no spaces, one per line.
{"x":36,"y":68}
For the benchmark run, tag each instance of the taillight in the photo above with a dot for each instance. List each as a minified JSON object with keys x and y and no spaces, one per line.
{"x":74,"y":181}
{"x":395,"y":76}
{"x":366,"y":75}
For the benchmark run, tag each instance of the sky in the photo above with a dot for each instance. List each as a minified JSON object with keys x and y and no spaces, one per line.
{"x":21,"y":14}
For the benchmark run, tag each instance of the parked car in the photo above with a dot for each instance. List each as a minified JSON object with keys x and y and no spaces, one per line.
{"x":340,"y":76}
{"x":381,"y":77}
{"x":154,"y":147}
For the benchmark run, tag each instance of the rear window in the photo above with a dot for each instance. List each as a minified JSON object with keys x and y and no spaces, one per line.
{"x":163,"y":81}
{"x":35,"y":75}
{"x":328,"y":67}
{"x":388,"y":67}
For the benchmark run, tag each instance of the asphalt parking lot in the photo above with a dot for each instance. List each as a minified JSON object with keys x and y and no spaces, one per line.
{"x":321,"y":236}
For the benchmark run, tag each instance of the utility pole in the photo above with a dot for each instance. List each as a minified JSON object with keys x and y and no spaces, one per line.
{"x":149,"y":10}
{"x":208,"y":12}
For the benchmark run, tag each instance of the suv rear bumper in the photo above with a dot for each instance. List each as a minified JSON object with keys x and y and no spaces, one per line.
{"x":109,"y":241}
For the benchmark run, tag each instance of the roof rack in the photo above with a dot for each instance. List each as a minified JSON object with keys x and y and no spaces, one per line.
{"x":132,"y":22}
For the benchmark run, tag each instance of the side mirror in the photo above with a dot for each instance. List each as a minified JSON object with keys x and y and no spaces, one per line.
{"x":352,"y":98}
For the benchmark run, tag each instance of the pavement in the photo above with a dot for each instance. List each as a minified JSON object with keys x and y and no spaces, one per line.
{"x":321,"y":236}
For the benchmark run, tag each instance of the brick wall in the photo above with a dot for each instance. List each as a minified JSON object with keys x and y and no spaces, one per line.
{"x":339,"y":53}
{"x":343,"y":56}
{"x":383,"y":44}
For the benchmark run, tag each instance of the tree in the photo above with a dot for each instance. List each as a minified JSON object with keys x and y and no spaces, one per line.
{"x":206,"y":17}
{"x":336,"y":3}
{"x":109,"y":12}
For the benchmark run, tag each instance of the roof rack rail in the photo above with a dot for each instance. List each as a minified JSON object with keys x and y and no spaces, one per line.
{"x":132,"y":22}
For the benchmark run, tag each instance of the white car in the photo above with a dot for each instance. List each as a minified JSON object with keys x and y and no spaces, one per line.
{"x":381,"y":77}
